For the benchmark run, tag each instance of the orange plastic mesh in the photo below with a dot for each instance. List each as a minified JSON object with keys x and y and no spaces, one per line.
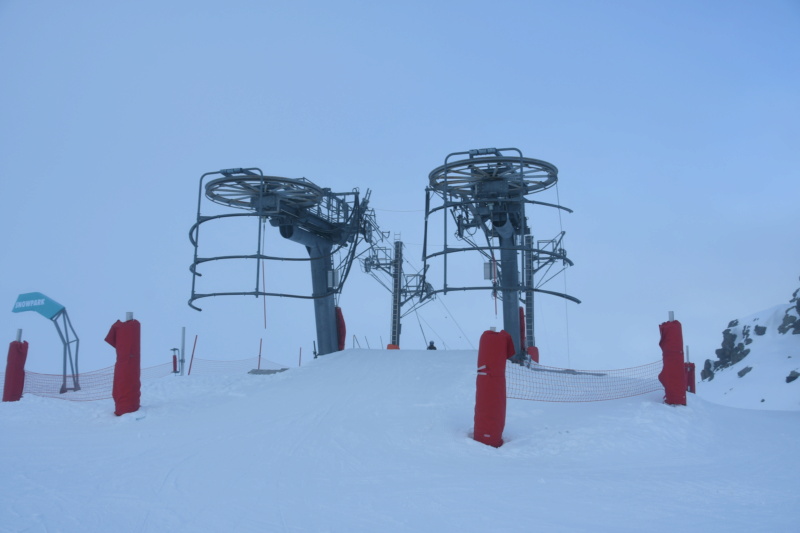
{"x":94,"y":385}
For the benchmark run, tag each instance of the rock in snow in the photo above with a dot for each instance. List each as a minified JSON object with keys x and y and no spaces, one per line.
{"x":758,"y":362}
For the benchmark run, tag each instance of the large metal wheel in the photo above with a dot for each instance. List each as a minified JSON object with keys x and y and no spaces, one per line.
{"x":521,"y":174}
{"x":243,"y":191}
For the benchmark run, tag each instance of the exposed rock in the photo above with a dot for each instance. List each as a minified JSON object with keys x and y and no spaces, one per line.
{"x":769,"y":342}
{"x":730,"y":353}
{"x":746,"y":335}
{"x":734,"y":349}
{"x":707,"y":374}
{"x":790,"y":323}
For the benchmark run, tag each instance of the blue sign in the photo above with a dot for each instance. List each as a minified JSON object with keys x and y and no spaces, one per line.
{"x":36,"y":301}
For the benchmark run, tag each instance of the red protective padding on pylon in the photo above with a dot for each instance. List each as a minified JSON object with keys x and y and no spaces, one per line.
{"x":533,"y":353}
{"x":125,"y":337}
{"x":341,"y":328}
{"x":490,"y":388}
{"x":690,"y":379}
{"x":673,"y":373}
{"x":15,"y":371}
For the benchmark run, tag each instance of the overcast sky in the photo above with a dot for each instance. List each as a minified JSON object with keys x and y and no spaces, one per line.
{"x":675,"y":127}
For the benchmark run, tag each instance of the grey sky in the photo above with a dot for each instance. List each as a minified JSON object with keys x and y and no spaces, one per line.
{"x":675,"y":127}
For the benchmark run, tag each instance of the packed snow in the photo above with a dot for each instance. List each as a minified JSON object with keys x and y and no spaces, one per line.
{"x":377,"y":440}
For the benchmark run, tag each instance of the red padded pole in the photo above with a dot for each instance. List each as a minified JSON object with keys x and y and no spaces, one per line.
{"x":673,"y":373}
{"x":341,"y":328}
{"x":533,"y":353}
{"x":690,"y":378}
{"x":490,"y":388}
{"x":15,"y":371}
{"x":125,"y":337}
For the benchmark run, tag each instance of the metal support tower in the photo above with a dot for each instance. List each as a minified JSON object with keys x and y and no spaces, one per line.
{"x":404,"y":287}
{"x":486,"y":190}
{"x":324,"y":222}
{"x":527,"y":272}
{"x":397,"y":278}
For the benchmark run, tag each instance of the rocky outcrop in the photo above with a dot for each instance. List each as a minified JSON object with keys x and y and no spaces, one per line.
{"x":730,"y":353}
{"x":790,"y":323}
{"x":736,"y":339}
{"x":791,"y":319}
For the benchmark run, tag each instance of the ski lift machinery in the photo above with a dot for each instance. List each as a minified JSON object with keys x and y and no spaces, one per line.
{"x":487,"y":190}
{"x":329,"y":225}
{"x":405,"y":288}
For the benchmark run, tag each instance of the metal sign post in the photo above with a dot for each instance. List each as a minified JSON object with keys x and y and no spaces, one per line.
{"x":55,"y":312}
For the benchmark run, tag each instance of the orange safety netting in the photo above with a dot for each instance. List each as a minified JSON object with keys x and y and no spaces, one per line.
{"x":552,"y":384}
{"x":94,"y":385}
{"x":97,"y":384}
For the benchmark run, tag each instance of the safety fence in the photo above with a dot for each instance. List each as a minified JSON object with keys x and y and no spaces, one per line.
{"x":98,"y":384}
{"x":94,"y":385}
{"x":551,"y":384}
{"x":531,"y":382}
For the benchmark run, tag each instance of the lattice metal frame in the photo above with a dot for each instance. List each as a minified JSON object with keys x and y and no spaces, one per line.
{"x":405,"y":288}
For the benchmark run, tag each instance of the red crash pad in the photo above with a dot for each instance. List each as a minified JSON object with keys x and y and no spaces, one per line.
{"x":673,"y":373}
{"x":15,"y":371}
{"x":341,"y":328}
{"x":490,"y":394}
{"x":125,"y":337}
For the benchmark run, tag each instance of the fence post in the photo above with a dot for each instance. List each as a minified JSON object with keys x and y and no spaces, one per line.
{"x":183,"y":348}
{"x":15,"y":369}
{"x":490,"y":387}
{"x":125,"y":337}
{"x":673,"y":374}
{"x":192,"y":358}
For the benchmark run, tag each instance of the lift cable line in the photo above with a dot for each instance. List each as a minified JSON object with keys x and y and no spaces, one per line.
{"x":329,"y":225}
{"x":486,"y":190}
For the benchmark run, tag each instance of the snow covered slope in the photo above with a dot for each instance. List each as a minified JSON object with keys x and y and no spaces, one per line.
{"x":378,"y":441}
{"x":758,"y":365}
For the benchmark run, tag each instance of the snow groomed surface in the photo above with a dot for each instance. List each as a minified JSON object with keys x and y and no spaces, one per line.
{"x":379,"y":441}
